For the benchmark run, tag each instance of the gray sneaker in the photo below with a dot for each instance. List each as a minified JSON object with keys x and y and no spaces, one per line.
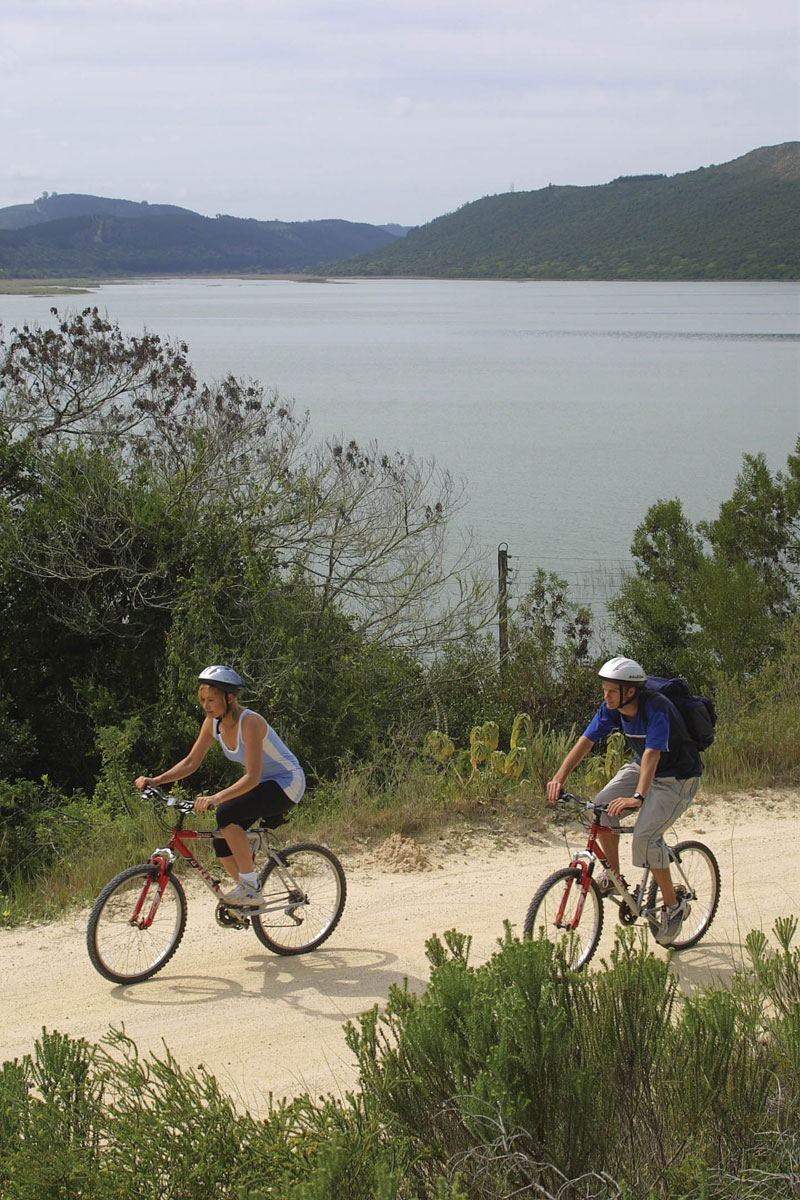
{"x":671,"y":921}
{"x":243,"y":896}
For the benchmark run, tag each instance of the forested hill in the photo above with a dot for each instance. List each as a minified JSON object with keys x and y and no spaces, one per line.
{"x":739,"y":220}
{"x":119,"y":237}
{"x":53,"y":207}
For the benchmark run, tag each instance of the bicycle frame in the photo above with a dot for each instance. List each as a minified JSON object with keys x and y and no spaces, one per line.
{"x":164,"y":858}
{"x":586,"y":860}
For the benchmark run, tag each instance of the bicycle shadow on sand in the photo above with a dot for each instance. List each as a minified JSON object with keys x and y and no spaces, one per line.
{"x":339,"y":979}
{"x":714,"y":963}
{"x":340,"y":975}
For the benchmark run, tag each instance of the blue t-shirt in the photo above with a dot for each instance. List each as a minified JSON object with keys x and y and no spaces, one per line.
{"x":656,"y":725}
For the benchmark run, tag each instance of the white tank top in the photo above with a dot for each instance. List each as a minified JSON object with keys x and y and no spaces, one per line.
{"x":277,"y":760}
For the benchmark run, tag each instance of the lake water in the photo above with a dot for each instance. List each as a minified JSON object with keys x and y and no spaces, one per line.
{"x":568,"y":407}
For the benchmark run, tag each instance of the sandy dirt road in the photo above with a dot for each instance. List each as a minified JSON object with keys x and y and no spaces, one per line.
{"x":262,"y":1023}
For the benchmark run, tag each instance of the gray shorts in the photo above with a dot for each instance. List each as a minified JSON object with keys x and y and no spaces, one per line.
{"x":666,"y":799}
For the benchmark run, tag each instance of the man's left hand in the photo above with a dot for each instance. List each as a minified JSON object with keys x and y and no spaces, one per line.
{"x":621,"y":804}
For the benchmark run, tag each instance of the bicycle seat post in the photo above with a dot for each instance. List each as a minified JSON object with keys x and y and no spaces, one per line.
{"x":256,"y":838}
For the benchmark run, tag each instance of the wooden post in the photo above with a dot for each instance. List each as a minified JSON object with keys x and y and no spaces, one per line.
{"x":502,"y":597}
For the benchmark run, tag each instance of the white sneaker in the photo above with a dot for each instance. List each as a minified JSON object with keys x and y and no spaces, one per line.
{"x":243,"y":896}
{"x":608,"y":884}
{"x":671,"y":921}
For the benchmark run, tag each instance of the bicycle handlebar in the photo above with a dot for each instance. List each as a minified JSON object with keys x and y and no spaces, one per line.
{"x":576,"y":801}
{"x":154,"y":793}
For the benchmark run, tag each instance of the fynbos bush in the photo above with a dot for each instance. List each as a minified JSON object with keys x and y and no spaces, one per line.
{"x":514,"y":1078}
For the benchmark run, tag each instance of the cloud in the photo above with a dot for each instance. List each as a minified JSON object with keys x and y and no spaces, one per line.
{"x":393,"y":110}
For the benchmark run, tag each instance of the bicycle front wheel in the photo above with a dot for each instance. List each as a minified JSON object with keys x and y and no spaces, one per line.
{"x":124,"y":944}
{"x":553,"y":910}
{"x":695,"y":874}
{"x":305,"y":891}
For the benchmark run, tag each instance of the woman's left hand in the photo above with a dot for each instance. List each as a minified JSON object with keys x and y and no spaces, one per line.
{"x":203,"y":803}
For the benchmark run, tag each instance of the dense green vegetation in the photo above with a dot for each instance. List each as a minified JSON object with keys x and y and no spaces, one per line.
{"x":63,"y":236}
{"x":735,"y":221}
{"x":511,"y":1079}
{"x":150,"y":524}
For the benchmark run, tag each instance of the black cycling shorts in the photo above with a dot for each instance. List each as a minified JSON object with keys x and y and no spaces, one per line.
{"x":266,"y":802}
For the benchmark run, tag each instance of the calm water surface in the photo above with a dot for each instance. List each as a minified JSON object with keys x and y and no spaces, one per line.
{"x":569,"y":408}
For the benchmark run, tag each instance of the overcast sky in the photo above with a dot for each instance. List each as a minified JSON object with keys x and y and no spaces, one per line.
{"x":381,"y":110}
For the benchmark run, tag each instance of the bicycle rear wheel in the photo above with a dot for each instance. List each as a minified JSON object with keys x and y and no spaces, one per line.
{"x":695,"y":874}
{"x":308,"y":890}
{"x":553,"y":909}
{"x":120,"y":946}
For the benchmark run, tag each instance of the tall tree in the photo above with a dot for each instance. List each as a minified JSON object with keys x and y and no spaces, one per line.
{"x":370,"y":528}
{"x":715,"y":598}
{"x":760,"y":525}
{"x":135,"y":502}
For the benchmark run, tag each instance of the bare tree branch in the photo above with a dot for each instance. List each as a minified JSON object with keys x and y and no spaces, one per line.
{"x":370,"y":529}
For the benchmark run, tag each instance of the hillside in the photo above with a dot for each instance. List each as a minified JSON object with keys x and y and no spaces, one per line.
{"x":739,"y":220}
{"x":53,"y":207}
{"x":123,"y":238}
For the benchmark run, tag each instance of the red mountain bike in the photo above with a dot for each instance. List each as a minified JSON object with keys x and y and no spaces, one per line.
{"x":138,"y":920}
{"x":569,"y":903}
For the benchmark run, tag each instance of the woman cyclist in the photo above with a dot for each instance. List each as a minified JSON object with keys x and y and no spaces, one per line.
{"x":272,"y":783}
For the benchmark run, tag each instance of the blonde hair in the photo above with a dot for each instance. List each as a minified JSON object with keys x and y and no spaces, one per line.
{"x":224,"y":692}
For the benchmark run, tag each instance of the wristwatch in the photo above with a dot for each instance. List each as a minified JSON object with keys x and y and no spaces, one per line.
{"x":638,"y":796}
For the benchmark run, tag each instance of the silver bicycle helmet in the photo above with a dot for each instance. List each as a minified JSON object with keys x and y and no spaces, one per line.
{"x":623,"y":670}
{"x":220,"y":676}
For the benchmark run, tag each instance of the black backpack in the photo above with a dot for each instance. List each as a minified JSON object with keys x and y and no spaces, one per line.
{"x":698,"y":712}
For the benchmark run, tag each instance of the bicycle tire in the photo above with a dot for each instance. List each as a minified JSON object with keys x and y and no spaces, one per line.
{"x":123,"y":951}
{"x":698,"y":870}
{"x":563,"y":887}
{"x":313,"y":912}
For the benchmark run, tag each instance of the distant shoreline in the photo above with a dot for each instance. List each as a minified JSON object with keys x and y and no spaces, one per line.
{"x":47,"y":287}
{"x":77,"y":287}
{"x":85,"y":287}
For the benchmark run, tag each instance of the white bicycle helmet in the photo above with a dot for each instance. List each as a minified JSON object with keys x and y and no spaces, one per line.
{"x":623,"y":670}
{"x":220,"y":676}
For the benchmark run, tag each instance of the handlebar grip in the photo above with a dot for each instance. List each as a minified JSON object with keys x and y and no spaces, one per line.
{"x":151,"y":790}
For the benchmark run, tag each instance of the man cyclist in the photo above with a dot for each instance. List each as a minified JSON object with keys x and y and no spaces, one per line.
{"x":660,"y":782}
{"x":273,"y":780}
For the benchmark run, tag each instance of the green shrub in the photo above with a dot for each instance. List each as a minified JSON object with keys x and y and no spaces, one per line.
{"x":529,"y":1077}
{"x":758,"y":730}
{"x":514,"y":1078}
